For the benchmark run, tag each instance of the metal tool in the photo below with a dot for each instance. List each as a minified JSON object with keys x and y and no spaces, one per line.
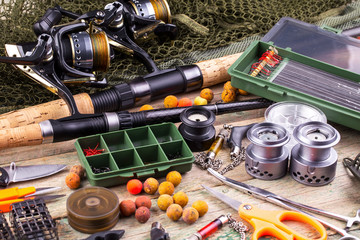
{"x":14,"y":195}
{"x":158,"y":232}
{"x":286,"y":203}
{"x":313,"y":159}
{"x":267,"y":222}
{"x":236,"y":136}
{"x":266,"y":157}
{"x":15,"y":173}
{"x":353,"y":165}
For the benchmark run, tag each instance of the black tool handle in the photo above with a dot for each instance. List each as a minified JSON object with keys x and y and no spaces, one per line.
{"x":237,"y":135}
{"x":4,"y":177}
{"x":66,"y":130}
{"x":51,"y":18}
{"x":107,"y":235}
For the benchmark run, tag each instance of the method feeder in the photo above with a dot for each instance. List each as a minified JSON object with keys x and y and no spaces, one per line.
{"x":69,"y":128}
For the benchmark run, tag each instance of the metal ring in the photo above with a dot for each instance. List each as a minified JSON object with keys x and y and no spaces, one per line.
{"x":47,"y":131}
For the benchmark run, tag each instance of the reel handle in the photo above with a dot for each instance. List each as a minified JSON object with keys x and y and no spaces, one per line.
{"x":39,"y":53}
{"x":51,"y":18}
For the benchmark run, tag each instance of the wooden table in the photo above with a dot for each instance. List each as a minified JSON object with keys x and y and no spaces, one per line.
{"x":340,"y":196}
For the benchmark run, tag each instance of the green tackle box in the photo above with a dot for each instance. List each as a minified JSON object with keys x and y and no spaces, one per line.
{"x":149,"y":151}
{"x":336,"y":112}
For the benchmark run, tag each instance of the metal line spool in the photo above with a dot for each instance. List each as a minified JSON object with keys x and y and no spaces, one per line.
{"x":89,"y":52}
{"x":313,"y":160}
{"x":152,"y":9}
{"x":267,"y":157}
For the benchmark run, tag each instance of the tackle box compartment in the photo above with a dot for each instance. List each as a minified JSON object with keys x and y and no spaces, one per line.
{"x":240,"y":78}
{"x":149,"y":151}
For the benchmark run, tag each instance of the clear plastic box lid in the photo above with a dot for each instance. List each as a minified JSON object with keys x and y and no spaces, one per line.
{"x":315,"y":42}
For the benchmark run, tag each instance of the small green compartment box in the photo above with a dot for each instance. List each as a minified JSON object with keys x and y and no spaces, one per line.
{"x":339,"y":110}
{"x":149,"y":151}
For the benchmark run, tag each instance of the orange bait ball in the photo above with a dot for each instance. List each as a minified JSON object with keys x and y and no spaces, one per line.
{"x":207,"y":93}
{"x":174,"y":177}
{"x":127,"y":208}
{"x":227,"y":86}
{"x":134,"y":186}
{"x":185,"y":102}
{"x":170,"y":101}
{"x":166,"y":188}
{"x":142,"y":214}
{"x":201,"y":207}
{"x":72,"y":180}
{"x":242,"y":92}
{"x":151,"y":185}
{"x":79,"y":170}
{"x":228,"y":96}
{"x":200,"y":101}
{"x":146,"y":107}
{"x":143,"y":201}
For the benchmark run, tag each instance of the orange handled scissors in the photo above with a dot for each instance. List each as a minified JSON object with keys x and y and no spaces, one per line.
{"x":289,"y":204}
{"x":270,"y":223}
{"x":14,"y":195}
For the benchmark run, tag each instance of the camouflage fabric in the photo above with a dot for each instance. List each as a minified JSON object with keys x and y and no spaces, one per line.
{"x":208,"y":29}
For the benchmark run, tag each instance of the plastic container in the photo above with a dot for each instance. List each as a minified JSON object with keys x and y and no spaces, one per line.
{"x":134,"y":153}
{"x":291,"y":114}
{"x":93,"y":209}
{"x":321,"y":43}
{"x":240,"y":78}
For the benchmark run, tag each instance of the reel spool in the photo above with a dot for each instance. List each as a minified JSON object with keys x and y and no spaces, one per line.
{"x":313,"y":160}
{"x":152,"y":9}
{"x":266,"y":157}
{"x":92,"y":209}
{"x":88,"y":52}
{"x":197,"y":128}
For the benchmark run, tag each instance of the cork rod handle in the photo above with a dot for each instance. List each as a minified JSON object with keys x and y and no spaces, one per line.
{"x":50,"y":110}
{"x":214,"y":71}
{"x":21,"y":136}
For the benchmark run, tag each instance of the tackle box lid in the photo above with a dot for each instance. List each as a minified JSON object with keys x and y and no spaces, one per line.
{"x":321,"y":43}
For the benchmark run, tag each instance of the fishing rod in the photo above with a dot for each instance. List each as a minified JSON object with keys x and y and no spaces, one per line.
{"x":50,"y":131}
{"x":124,"y":96}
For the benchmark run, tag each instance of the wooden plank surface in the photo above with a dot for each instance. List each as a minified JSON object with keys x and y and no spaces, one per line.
{"x":342,"y":196}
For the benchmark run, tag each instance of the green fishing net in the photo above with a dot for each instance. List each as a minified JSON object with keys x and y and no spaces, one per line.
{"x":207,"y":29}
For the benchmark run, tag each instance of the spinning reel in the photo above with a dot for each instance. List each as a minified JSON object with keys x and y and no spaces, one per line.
{"x":71,"y":53}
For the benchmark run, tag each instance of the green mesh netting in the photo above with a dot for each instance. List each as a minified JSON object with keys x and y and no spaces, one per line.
{"x":208,"y":29}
